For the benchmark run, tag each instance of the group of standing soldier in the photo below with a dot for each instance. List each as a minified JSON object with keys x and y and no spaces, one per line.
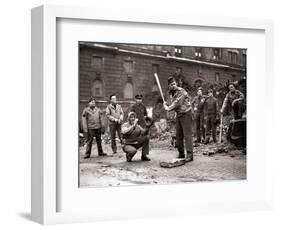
{"x":206,"y":112}
{"x":133,"y":133}
{"x":205,"y":116}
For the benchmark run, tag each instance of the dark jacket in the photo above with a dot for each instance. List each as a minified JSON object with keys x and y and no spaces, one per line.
{"x":210,"y":106}
{"x":198,"y":104}
{"x":230,"y":97}
{"x":141,"y":112}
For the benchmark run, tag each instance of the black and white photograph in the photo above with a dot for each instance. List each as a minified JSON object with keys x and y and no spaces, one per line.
{"x":153,"y":114}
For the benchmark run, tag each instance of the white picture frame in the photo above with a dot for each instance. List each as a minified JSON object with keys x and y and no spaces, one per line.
{"x":46,"y":183}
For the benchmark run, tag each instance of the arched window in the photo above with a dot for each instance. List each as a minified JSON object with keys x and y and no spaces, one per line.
{"x":97,"y":88}
{"x":128,"y":91}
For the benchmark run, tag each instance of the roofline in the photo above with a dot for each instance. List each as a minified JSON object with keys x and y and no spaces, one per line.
{"x":166,"y":58}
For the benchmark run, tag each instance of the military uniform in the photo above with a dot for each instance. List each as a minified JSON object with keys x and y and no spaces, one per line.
{"x":210,"y":114}
{"x":181,"y":104}
{"x":141,"y":112}
{"x":238,"y":106}
{"x":197,"y":105}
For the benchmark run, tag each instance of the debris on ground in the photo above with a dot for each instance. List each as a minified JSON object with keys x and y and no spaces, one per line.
{"x":209,"y":153}
{"x":221,"y":150}
{"x":218,"y":161}
{"x":173,"y":163}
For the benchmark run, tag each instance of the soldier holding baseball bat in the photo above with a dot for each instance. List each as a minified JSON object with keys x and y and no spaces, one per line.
{"x":181,"y":104}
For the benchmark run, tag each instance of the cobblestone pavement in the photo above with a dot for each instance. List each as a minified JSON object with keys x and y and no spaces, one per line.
{"x":113,"y":170}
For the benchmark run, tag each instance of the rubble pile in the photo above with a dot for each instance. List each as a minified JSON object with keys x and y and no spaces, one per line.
{"x":225,"y":148}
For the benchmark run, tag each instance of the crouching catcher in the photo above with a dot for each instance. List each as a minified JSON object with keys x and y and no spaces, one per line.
{"x":135,"y":137}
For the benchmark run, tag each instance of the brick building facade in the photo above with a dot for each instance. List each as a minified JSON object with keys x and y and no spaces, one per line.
{"x":126,"y":70}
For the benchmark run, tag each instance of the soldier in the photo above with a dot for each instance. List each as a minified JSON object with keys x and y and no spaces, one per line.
{"x":93,"y":127}
{"x":140,"y":110}
{"x":197,"y":105}
{"x":181,"y":104}
{"x":210,"y":114}
{"x":234,"y":99}
{"x":115,"y":115}
{"x":135,"y":137}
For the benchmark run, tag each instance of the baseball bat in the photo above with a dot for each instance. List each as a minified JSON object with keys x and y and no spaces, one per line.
{"x":159,"y":86}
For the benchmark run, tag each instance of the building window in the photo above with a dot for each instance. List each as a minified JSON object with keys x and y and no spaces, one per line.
{"x":178,"y":51}
{"x":244,"y":60}
{"x":96,"y":62}
{"x":128,"y":66}
{"x":217,"y":77}
{"x":229,"y":56}
{"x":234,"y":58}
{"x":216,"y":54}
{"x":198,"y":52}
{"x":97,"y":88}
{"x":128,"y":91}
{"x":233,"y":76}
